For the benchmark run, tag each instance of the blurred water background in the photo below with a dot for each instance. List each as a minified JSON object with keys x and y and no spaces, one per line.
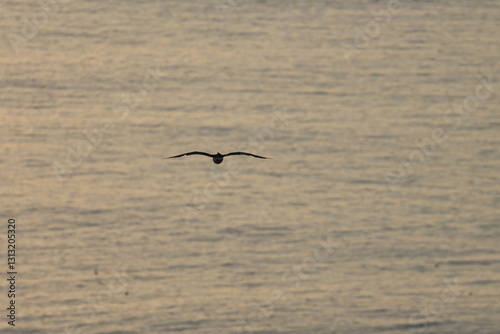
{"x":350,"y":228}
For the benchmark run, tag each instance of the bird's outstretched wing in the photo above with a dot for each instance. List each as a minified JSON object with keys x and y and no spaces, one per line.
{"x":245,"y":153}
{"x":190,"y":153}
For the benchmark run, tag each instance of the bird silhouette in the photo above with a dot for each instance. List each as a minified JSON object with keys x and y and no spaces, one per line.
{"x":217,"y":158}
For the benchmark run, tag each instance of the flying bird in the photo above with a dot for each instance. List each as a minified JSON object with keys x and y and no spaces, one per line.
{"x":217,"y":158}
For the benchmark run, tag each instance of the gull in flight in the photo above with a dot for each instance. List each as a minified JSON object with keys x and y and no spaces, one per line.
{"x":217,"y":158}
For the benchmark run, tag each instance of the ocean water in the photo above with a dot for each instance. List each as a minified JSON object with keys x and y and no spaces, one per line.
{"x":378,"y":212}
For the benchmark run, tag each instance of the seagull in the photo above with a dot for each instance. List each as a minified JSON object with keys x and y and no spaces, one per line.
{"x":217,"y":158}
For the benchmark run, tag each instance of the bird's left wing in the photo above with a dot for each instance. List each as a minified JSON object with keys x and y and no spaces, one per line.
{"x":245,"y":153}
{"x":189,"y":153}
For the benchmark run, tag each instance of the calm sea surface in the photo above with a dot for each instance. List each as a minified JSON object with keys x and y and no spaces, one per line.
{"x":378,"y":212}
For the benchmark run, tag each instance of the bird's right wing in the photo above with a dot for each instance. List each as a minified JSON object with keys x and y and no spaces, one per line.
{"x":245,"y":153}
{"x":190,"y":153}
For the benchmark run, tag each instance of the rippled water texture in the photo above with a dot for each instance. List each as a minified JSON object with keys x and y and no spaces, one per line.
{"x":378,"y":212}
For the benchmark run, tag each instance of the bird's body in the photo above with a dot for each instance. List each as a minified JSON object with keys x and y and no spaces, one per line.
{"x":217,"y":158}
